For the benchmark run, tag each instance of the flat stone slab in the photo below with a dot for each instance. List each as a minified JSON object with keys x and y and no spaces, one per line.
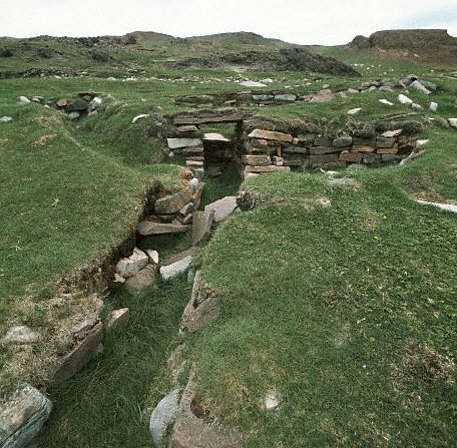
{"x":163,"y":415}
{"x":252,"y":84}
{"x":22,"y":417}
{"x":174,"y":269}
{"x":222,"y":208}
{"x":178,"y":143}
{"x":173,"y":203}
{"x":271,"y":135}
{"x":201,"y":225}
{"x":146,"y":228}
{"x":74,"y":361}
{"x":215,"y":137}
{"x":447,"y":207}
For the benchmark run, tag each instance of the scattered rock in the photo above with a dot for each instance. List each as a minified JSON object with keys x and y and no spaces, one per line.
{"x":139,"y":117}
{"x":355,"y":111}
{"x":422,"y":143}
{"x":452,"y":122}
{"x":74,"y":115}
{"x":163,"y":416}
{"x":252,"y":84}
{"x":153,"y":255}
{"x":433,"y":106}
{"x":117,"y":319}
{"x":6,"y":119}
{"x":23,"y":416}
{"x":146,"y":278}
{"x":181,"y":265}
{"x":222,"y":208}
{"x":416,"y":106}
{"x":21,"y":334}
{"x":419,"y":86}
{"x":447,"y":207}
{"x":130,"y":266}
{"x":63,"y":102}
{"x":24,"y":100}
{"x":271,"y":401}
{"x":403,"y":99}
{"x":386,"y":102}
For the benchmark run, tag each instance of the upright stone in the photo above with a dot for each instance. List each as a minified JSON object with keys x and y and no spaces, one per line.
{"x":222,"y":208}
{"x":201,"y":225}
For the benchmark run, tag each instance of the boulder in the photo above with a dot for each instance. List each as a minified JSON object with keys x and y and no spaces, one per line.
{"x":146,"y":228}
{"x":222,"y":208}
{"x":163,"y":416}
{"x":130,"y":266}
{"x":171,"y":204}
{"x":420,"y":87}
{"x":22,"y":417}
{"x":179,"y":143}
{"x":145,"y":278}
{"x":201,"y":225}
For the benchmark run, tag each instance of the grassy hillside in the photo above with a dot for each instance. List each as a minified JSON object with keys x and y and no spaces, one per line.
{"x":346,"y":312}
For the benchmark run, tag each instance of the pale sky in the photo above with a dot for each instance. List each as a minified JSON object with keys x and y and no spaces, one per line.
{"x":325,"y":22}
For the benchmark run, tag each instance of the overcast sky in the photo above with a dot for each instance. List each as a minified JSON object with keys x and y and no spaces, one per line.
{"x":298,"y":21}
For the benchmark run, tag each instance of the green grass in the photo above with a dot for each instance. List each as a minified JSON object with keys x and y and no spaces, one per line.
{"x":348,"y":311}
{"x":106,"y":404}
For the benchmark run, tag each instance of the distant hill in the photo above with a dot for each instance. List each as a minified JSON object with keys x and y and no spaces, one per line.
{"x":140,"y":51}
{"x":428,"y":44}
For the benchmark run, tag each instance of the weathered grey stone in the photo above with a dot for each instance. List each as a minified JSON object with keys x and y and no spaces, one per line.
{"x":153,"y":256}
{"x":419,"y":86}
{"x":21,"y":334}
{"x":188,"y":208}
{"x":74,"y":115}
{"x":201,"y":225}
{"x":452,"y":122}
{"x":222,"y":208}
{"x":130,"y":266}
{"x":117,"y":319}
{"x":74,"y":361}
{"x":173,"y":203}
{"x":403,"y":99}
{"x":394,"y":133}
{"x":24,"y":100}
{"x":179,"y":143}
{"x":342,"y":142}
{"x":139,"y":117}
{"x":146,"y":228}
{"x":289,"y":97}
{"x":22,"y":417}
{"x":354,"y":111}
{"x":262,"y":97}
{"x":178,"y":267}
{"x":433,"y":106}
{"x":429,"y":85}
{"x":163,"y":415}
{"x":386,"y":102}
{"x":252,"y":84}
{"x":271,"y":401}
{"x":144,"y":279}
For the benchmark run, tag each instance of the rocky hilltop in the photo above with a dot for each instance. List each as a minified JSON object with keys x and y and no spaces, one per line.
{"x":431,"y":44}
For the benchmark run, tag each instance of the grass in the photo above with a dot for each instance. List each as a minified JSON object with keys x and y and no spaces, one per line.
{"x":106,"y":404}
{"x":347,"y":312}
